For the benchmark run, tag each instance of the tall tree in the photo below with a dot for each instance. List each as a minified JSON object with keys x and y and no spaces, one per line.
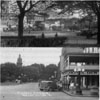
{"x":50,"y":70}
{"x":26,"y":6}
{"x":9,"y":71}
{"x":83,"y":7}
{"x":95,"y":6}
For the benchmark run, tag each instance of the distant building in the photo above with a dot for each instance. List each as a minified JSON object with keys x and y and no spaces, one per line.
{"x":87,"y":58}
{"x":19,"y":61}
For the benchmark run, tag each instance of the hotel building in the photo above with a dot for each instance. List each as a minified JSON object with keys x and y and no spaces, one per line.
{"x":85,"y":59}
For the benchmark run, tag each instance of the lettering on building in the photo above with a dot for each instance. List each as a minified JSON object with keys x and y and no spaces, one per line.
{"x":91,"y":50}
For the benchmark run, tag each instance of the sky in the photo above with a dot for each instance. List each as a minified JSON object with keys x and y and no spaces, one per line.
{"x":30,"y":55}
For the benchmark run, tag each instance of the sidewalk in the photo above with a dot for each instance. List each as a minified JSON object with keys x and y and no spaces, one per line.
{"x":85,"y":93}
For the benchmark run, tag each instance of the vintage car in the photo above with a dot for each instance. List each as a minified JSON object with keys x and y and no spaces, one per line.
{"x":47,"y":85}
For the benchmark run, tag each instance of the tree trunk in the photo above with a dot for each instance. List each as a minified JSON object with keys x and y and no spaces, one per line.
{"x":98,"y":34}
{"x":20,"y":25}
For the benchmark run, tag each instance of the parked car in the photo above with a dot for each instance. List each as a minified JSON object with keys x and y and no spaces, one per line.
{"x":47,"y":85}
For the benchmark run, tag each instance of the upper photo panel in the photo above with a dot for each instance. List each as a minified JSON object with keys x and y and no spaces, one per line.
{"x":49,"y":23}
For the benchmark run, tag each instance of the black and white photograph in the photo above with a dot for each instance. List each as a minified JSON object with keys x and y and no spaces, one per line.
{"x":68,"y":73}
{"x":49,"y":49}
{"x":49,"y":23}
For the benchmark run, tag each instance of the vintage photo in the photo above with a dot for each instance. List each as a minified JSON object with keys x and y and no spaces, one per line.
{"x":49,"y":23}
{"x":49,"y":49}
{"x":49,"y":73}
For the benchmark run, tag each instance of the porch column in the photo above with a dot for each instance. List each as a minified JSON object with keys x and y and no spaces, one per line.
{"x":90,"y":81}
{"x":84,"y":85}
{"x":86,"y":81}
{"x":96,"y":80}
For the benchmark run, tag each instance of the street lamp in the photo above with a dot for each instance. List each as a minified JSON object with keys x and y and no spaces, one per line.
{"x":79,"y":70}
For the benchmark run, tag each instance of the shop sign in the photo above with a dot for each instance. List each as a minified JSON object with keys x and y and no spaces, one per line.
{"x":90,"y":73}
{"x":82,"y":73}
{"x":91,"y":50}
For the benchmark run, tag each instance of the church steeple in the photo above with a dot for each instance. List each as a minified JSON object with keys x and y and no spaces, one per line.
{"x":19,"y":61}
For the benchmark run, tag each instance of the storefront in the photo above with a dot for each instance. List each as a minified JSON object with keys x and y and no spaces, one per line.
{"x":88,"y":65}
{"x":88,"y":77}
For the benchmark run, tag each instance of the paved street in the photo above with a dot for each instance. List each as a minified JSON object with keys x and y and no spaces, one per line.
{"x":30,"y":91}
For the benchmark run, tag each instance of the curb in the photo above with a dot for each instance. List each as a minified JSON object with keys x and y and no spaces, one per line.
{"x":74,"y":95}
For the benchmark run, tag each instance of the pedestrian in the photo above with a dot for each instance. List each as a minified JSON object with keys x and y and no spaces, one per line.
{"x":72,"y":86}
{"x":56,"y":35}
{"x":68,"y":82}
{"x":43,"y":36}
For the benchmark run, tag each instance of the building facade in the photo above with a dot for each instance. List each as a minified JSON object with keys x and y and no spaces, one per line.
{"x":85,"y":59}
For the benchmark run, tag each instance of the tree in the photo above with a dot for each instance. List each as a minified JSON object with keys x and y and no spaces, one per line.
{"x":50,"y":71}
{"x":23,"y":11}
{"x":29,"y":6}
{"x":34,"y":72}
{"x":83,"y":7}
{"x":95,"y":6}
{"x":88,"y":22}
{"x":9,"y":71}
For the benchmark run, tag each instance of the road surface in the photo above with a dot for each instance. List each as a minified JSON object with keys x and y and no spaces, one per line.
{"x":30,"y":91}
